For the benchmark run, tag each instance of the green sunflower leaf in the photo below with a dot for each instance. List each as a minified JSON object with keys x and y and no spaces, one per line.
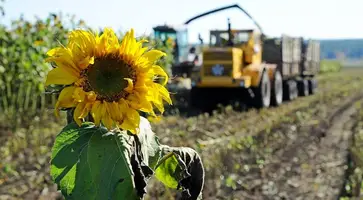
{"x":89,"y":163}
{"x":181,"y":168}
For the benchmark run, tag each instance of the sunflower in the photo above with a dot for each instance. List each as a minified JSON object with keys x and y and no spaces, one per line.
{"x":108,"y":79}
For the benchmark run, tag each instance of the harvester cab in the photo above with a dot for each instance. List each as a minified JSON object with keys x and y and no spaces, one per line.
{"x":230,"y":58}
{"x":179,"y":38}
{"x":248,"y":40}
{"x":182,"y":64}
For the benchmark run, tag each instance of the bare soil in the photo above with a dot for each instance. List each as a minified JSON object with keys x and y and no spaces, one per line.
{"x":295,"y":151}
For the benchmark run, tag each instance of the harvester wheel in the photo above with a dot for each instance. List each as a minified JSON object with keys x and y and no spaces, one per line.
{"x":303,"y":87}
{"x":263,"y":92}
{"x":312,"y":85}
{"x":277,"y":89}
{"x":195,"y":99}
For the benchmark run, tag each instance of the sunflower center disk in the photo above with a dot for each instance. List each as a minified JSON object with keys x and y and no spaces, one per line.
{"x":106,"y":77}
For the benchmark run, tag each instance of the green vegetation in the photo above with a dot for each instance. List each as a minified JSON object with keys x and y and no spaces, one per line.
{"x":23,"y":48}
{"x":327,"y":66}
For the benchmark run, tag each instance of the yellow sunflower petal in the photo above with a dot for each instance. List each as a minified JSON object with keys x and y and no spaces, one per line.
{"x":124,"y":43}
{"x":96,"y":112}
{"x":142,"y":65}
{"x":137,"y":102}
{"x":107,"y":121}
{"x":86,"y":110}
{"x":129,"y":47}
{"x":133,"y":116}
{"x":62,"y":57}
{"x":60,"y":52}
{"x":82,"y":44}
{"x":163,"y":93}
{"x":154,"y":119}
{"x":158,"y":105}
{"x":91,"y":96}
{"x":107,"y":42}
{"x":100,"y":111}
{"x":130,"y":85}
{"x":132,"y":120}
{"x":65,"y":99}
{"x":157,"y":70}
{"x":140,"y":52}
{"x":79,"y":95}
{"x":85,"y":41}
{"x":129,"y":126}
{"x":114,"y":110}
{"x":154,"y":55}
{"x":61,"y":76}
{"x":61,"y":62}
{"x":78,"y":112}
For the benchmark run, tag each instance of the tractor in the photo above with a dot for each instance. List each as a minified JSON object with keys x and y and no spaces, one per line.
{"x":244,"y":67}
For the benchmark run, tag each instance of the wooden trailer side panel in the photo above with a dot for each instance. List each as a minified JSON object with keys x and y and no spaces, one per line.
{"x":311,"y":62}
{"x":296,"y":56}
{"x":285,"y":52}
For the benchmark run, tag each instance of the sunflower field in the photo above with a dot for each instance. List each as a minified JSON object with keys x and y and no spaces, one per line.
{"x":23,"y":48}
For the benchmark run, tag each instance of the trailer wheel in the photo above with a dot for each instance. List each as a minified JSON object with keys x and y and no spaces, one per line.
{"x":289,"y":90}
{"x":303,"y":87}
{"x":277,"y":89}
{"x":312,"y":85}
{"x":295,"y":90}
{"x":263,"y":92}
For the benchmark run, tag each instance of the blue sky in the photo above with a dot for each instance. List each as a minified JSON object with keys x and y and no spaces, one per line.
{"x":307,"y":18}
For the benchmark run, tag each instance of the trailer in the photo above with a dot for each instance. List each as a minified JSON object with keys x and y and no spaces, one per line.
{"x":297,"y":59}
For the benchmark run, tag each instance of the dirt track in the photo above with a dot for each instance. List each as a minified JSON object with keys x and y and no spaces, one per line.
{"x":310,"y":164}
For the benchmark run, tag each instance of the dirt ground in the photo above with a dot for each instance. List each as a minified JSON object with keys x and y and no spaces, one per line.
{"x":295,"y":151}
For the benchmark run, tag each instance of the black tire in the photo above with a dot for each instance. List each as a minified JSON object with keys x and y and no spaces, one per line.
{"x":263,"y":92}
{"x":277,"y":89}
{"x":313,"y":85}
{"x":290,"y":90}
{"x":295,"y":90}
{"x":303,"y":87}
{"x":196,"y":100}
{"x":201,"y":100}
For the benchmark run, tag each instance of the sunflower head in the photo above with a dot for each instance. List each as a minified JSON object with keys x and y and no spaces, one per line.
{"x":108,"y":79}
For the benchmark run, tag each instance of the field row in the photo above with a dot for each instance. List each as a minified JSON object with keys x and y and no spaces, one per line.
{"x":268,"y":153}
{"x":243,"y":152}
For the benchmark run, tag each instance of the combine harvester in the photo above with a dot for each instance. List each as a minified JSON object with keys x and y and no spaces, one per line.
{"x":245,"y":66}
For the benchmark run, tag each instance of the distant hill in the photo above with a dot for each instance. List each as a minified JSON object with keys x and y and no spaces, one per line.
{"x":347,"y":48}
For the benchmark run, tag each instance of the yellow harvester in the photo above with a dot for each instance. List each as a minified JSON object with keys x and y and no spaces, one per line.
{"x":245,"y":66}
